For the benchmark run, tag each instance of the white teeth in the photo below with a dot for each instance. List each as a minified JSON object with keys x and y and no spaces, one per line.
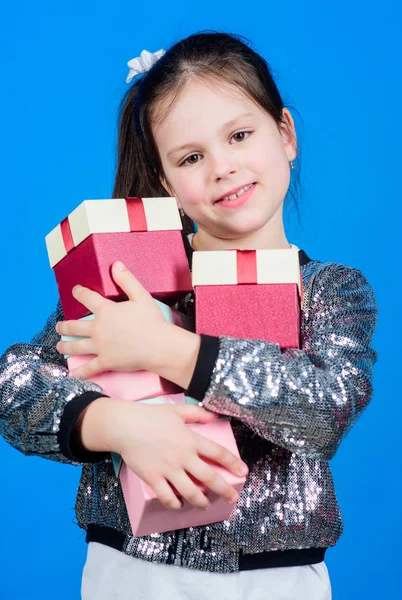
{"x":239,"y":193}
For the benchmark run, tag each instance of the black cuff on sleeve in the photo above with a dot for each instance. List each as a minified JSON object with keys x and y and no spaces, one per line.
{"x":207,"y":356}
{"x":70,"y":444}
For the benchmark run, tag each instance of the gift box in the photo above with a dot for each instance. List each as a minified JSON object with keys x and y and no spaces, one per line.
{"x":127,"y":385}
{"x":132,"y":385}
{"x":148,"y":515}
{"x":251,"y":294}
{"x":144,"y":233}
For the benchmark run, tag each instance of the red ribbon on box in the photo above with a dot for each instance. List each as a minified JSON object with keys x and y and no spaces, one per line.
{"x":67,"y":235}
{"x":136,"y":218}
{"x":246,"y":266}
{"x":136,"y":214}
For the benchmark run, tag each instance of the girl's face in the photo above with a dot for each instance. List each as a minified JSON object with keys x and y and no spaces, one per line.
{"x":215,"y":141}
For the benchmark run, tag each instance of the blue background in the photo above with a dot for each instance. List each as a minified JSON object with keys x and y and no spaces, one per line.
{"x":63,"y":70}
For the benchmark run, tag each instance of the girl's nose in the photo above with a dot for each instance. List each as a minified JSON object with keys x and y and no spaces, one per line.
{"x":223,"y":166}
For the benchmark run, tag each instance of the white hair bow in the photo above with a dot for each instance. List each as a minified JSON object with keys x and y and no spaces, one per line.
{"x":143,"y":63}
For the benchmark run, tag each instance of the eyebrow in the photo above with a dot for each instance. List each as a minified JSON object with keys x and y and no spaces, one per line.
{"x":223,"y":127}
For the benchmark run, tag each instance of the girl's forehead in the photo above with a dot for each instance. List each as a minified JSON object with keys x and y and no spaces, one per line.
{"x":211,"y":87}
{"x":203,"y":101}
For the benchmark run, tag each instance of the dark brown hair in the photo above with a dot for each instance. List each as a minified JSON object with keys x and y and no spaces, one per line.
{"x":219,"y":56}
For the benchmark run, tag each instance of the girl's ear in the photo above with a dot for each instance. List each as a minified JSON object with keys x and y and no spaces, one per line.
{"x":288,"y":133}
{"x":169,"y":190}
{"x":166,"y":185}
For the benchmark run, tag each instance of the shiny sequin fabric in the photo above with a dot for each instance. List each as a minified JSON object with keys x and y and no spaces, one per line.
{"x":290,"y":411}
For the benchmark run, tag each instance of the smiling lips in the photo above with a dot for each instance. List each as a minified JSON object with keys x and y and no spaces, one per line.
{"x":237,"y":198}
{"x":235,"y":193}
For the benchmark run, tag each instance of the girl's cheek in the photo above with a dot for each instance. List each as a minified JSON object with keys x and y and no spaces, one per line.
{"x":190,"y":199}
{"x":192,"y":187}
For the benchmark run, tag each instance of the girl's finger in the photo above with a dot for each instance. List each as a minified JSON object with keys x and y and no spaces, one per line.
{"x":88,"y":369}
{"x":221,"y":455}
{"x":75,"y":328}
{"x":164,"y":492}
{"x":187,"y":488}
{"x":128,"y":282}
{"x":90,"y":299}
{"x":207,"y":475}
{"x":77,"y":347}
{"x":191,"y":413}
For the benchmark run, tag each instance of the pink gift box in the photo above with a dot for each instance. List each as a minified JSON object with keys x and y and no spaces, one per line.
{"x":127,"y":385}
{"x":144,"y":233}
{"x":148,"y":515}
{"x":251,"y":294}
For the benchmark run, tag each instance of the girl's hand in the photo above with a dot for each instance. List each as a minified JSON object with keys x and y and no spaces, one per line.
{"x":155,"y":443}
{"x":122,"y":335}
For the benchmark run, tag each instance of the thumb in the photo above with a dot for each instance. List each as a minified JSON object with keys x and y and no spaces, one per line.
{"x":130,"y":285}
{"x":190,"y":413}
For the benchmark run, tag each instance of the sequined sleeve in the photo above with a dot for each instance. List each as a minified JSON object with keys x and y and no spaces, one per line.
{"x":305,"y":399}
{"x":34,"y":392}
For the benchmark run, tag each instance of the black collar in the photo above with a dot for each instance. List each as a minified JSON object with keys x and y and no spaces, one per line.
{"x":303,"y":258}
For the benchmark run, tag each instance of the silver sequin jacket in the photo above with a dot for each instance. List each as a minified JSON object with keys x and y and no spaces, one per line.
{"x":290,"y":410}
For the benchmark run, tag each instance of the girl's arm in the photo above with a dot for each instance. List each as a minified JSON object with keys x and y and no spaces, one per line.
{"x":305,"y":399}
{"x":39,"y":403}
{"x":302,"y":399}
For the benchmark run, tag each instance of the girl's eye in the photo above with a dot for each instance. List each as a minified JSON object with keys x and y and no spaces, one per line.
{"x":242,"y":135}
{"x":193,"y":160}
{"x":189,"y":160}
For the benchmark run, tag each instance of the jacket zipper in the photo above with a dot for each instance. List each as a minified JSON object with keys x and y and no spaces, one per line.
{"x":179,"y":547}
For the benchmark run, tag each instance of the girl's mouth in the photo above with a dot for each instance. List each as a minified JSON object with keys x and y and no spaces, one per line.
{"x":238,"y":199}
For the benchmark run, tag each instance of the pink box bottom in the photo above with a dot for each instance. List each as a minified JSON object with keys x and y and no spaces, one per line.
{"x":148,"y":515}
{"x":127,"y":385}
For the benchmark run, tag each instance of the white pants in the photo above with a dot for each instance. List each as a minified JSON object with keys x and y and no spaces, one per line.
{"x":112,"y":575}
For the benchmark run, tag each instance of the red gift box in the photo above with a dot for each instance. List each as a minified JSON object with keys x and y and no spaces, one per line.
{"x":251,"y":294}
{"x":144,"y":233}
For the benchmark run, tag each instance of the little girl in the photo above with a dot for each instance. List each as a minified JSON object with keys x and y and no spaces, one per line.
{"x":204,"y":123}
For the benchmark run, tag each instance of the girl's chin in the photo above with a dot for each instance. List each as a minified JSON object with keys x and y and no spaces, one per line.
{"x":237,"y":227}
{"x":235,"y":235}
{"x":242,"y":227}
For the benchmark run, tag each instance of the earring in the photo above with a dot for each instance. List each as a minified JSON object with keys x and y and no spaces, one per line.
{"x":181,"y":211}
{"x":291,"y":165}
